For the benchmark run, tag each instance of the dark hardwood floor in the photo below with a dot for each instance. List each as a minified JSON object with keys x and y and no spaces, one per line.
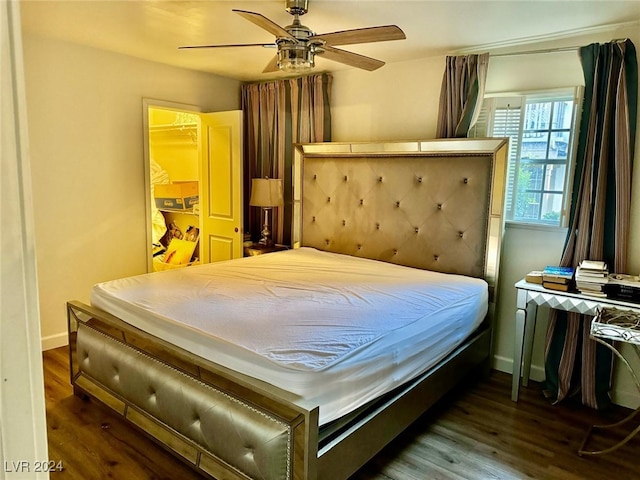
{"x":474,"y":433}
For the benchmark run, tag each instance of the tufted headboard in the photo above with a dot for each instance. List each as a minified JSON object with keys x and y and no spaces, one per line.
{"x":434,"y":205}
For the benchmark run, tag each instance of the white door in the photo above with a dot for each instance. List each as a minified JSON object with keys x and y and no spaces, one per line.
{"x":23,"y":425}
{"x":221,"y":235}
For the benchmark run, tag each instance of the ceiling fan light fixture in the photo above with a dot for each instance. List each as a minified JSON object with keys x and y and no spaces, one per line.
{"x":295,"y":58}
{"x":298,"y":45}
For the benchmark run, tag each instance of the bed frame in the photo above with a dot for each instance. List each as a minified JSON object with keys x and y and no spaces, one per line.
{"x":435,"y":205}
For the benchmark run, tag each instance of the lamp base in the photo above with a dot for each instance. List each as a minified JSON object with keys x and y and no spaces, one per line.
{"x":266,"y":234}
{"x":265,"y":240}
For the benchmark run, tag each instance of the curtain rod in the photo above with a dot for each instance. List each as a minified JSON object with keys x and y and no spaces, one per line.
{"x":529,"y":52}
{"x":547,"y":50}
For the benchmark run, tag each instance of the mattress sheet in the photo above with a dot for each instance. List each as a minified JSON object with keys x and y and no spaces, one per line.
{"x":334,"y":329}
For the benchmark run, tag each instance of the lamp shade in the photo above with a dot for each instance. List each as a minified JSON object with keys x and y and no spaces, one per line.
{"x":266,"y":192}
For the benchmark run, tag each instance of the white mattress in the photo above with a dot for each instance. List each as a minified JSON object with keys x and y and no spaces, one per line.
{"x":337,"y":330}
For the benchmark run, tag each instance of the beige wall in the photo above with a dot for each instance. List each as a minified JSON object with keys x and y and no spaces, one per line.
{"x":400,"y":102}
{"x":397,"y":102}
{"x":86,"y":141}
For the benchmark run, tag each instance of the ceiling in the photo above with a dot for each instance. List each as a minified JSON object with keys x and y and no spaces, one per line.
{"x":154,"y":29}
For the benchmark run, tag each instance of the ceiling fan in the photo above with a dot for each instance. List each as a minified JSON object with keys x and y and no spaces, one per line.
{"x":298,"y":45}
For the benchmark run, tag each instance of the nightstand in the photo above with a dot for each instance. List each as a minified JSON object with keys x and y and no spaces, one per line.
{"x":259,"y":249}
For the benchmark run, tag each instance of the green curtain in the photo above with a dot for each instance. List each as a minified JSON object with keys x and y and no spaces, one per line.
{"x":461,"y":94}
{"x":278,"y":114}
{"x":599,"y":217}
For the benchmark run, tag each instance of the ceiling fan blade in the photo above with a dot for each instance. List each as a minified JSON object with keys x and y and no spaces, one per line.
{"x":362,"y":35}
{"x":265,"y":45}
{"x":272,"y":66}
{"x":265,"y":23}
{"x":349,"y":58}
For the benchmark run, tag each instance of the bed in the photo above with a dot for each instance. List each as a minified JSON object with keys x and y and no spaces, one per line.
{"x":304,"y":363}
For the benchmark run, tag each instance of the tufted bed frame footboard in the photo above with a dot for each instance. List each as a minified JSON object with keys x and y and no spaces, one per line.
{"x":231,"y":426}
{"x":223,"y":424}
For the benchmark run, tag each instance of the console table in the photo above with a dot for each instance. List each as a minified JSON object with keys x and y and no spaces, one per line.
{"x":532,"y":295}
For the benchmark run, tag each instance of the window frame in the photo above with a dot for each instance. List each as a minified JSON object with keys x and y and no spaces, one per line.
{"x":504,"y":101}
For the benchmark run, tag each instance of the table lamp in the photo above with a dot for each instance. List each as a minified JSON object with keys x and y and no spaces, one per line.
{"x":266,"y":193}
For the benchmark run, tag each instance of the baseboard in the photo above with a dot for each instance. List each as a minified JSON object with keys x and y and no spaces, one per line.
{"x":504,"y":364}
{"x":625,"y":398}
{"x":54,"y":341}
{"x":620,"y":397}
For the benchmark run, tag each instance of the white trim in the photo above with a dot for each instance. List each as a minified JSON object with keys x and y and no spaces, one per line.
{"x":627,"y":399}
{"x":505,"y":365}
{"x":148,"y":103}
{"x":54,"y":341}
{"x":624,"y":398}
{"x":502,"y":364}
{"x":567,"y":34}
{"x":537,"y":93}
{"x":509,"y":224}
{"x":23,"y":426}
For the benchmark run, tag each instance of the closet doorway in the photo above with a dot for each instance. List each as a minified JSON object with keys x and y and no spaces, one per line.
{"x":193,"y":183}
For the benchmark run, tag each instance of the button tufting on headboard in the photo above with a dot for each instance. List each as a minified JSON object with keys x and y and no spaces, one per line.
{"x":351,"y":198}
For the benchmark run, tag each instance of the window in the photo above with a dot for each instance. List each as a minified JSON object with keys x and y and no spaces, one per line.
{"x":541,"y":129}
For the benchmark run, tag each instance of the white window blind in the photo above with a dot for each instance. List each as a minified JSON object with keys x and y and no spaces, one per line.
{"x":506,"y":122}
{"x":536,"y":190}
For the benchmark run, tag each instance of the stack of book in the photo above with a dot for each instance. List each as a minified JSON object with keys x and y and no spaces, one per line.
{"x":591,"y":278}
{"x":557,"y":278}
{"x":623,"y":287}
{"x":534,"y":276}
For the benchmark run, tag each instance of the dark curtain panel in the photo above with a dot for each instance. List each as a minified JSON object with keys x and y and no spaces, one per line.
{"x":276,"y":115}
{"x":461,"y":94}
{"x":599,"y":217}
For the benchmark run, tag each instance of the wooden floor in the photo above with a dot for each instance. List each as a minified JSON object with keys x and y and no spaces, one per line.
{"x":476,"y":433}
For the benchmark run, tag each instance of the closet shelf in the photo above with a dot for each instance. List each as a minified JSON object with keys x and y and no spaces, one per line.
{"x":173,"y":127}
{"x":174,"y":133}
{"x":175,"y":210}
